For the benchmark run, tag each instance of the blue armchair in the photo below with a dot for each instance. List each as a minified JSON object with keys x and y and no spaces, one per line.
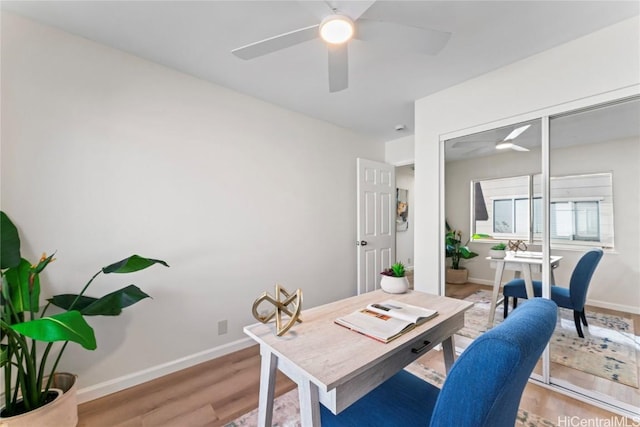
{"x":573,"y":297}
{"x":483,"y":388}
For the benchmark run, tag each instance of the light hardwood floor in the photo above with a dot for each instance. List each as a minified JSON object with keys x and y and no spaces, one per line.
{"x":216,"y":392}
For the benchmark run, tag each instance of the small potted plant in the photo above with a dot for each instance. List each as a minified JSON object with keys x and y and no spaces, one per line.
{"x":498,"y":251}
{"x":34,"y":392}
{"x":393,"y":279}
{"x":457,"y":251}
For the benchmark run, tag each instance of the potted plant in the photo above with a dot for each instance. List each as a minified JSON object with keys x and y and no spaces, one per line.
{"x":498,"y":251}
{"x":28,"y":356}
{"x":457,"y":251}
{"x":393,"y":279}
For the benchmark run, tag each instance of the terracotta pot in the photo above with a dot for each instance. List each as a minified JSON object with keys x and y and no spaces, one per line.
{"x":62,"y":412}
{"x":394,"y":285}
{"x":457,"y":276}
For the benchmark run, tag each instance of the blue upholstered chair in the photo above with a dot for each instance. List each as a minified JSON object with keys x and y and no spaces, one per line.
{"x":573,"y":297}
{"x":483,"y":388}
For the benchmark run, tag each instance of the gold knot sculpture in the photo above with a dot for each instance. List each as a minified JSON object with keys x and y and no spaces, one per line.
{"x":517,"y":245}
{"x":284,"y":302}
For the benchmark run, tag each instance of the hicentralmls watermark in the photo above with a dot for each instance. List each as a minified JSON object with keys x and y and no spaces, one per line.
{"x":575,"y":421}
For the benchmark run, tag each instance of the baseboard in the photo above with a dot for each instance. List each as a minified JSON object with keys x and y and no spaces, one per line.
{"x":117,"y":384}
{"x":613,"y":306}
{"x":591,"y":302}
{"x":480,"y":281}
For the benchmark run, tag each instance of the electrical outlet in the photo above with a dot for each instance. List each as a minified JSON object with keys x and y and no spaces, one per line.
{"x":222,"y":327}
{"x":409,"y":261}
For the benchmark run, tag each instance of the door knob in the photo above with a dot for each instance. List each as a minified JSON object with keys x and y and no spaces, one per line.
{"x":362,"y":243}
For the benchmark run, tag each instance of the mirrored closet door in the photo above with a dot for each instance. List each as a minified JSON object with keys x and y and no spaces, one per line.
{"x":574,"y":206}
{"x":595,"y":208}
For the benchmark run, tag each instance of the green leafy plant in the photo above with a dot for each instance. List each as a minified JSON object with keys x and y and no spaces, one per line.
{"x":23,"y":327}
{"x":396,"y":270}
{"x":455,"y":249}
{"x":499,"y":247}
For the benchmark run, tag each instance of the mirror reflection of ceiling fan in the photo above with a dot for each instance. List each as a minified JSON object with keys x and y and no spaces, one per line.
{"x":508,"y":141}
{"x":340,"y":21}
{"x":504,"y":144}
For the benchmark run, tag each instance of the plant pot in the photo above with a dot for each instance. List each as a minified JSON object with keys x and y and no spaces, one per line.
{"x":62,"y":412}
{"x":457,"y":276}
{"x":394,"y":285}
{"x":497,"y":253}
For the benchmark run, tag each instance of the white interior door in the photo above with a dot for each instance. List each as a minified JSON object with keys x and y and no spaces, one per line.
{"x":376,"y":222}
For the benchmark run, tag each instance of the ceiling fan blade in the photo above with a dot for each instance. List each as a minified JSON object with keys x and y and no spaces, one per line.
{"x":276,"y":43}
{"x":519,"y":148}
{"x":516,"y":132}
{"x":338,"y":67}
{"x":402,"y":37}
{"x":353,"y":9}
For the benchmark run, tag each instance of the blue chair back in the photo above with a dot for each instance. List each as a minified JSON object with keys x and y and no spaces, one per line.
{"x":486,"y":383}
{"x":581,"y":277}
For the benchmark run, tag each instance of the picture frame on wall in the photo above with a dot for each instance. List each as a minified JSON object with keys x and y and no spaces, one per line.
{"x":402,"y":209}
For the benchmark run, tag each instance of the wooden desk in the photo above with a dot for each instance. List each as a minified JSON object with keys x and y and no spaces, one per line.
{"x":527,"y":263}
{"x":336,"y":366}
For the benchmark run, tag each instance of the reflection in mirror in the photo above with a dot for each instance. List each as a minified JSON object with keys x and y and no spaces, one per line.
{"x":493,"y":170}
{"x":594,"y":157}
{"x":595,"y":161}
{"x":581,"y":211}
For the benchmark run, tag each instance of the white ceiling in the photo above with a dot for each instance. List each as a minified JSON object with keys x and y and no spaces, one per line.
{"x":197,"y":37}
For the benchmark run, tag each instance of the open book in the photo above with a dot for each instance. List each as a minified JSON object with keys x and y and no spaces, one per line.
{"x":387,"y":320}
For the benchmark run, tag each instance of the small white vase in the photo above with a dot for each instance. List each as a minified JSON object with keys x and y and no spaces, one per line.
{"x":394,"y":285}
{"x":497,"y":253}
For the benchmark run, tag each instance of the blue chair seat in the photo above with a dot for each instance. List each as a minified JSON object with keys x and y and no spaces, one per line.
{"x":573,"y":297}
{"x":483,"y":388}
{"x":516,"y":288}
{"x":406,"y":398}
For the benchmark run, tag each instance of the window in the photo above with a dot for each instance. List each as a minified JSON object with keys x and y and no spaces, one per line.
{"x":581,"y":209}
{"x":575,"y":221}
{"x":511,"y":216}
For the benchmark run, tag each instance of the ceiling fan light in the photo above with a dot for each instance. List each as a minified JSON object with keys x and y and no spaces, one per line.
{"x":503,"y":145}
{"x":336,"y":29}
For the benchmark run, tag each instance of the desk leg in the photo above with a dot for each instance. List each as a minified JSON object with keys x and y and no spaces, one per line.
{"x":449,"y":353}
{"x":528,"y":281}
{"x":309,"y":404}
{"x":268,"y":370}
{"x":496,"y":290}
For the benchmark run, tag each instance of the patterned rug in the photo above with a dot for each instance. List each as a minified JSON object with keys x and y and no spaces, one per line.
{"x":286,"y":411}
{"x":609,"y":349}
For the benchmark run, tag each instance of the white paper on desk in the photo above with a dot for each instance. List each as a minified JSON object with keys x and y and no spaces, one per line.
{"x":406,"y":312}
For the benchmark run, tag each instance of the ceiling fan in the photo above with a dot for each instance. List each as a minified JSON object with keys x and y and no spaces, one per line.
{"x":340,"y":21}
{"x":507,"y":142}
{"x":504,"y":144}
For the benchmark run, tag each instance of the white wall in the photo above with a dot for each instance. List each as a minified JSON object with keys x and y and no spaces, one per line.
{"x":400,"y":152}
{"x":105,"y":155}
{"x":614,"y":284}
{"x":601,"y":65}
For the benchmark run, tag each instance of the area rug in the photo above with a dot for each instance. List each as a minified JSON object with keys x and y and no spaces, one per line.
{"x":286,"y":411}
{"x":609,"y":349}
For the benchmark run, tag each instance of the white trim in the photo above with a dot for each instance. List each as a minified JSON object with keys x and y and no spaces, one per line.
{"x":480,"y":281}
{"x":590,"y":397}
{"x":117,"y":384}
{"x":612,"y":306}
{"x":402,"y":163}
